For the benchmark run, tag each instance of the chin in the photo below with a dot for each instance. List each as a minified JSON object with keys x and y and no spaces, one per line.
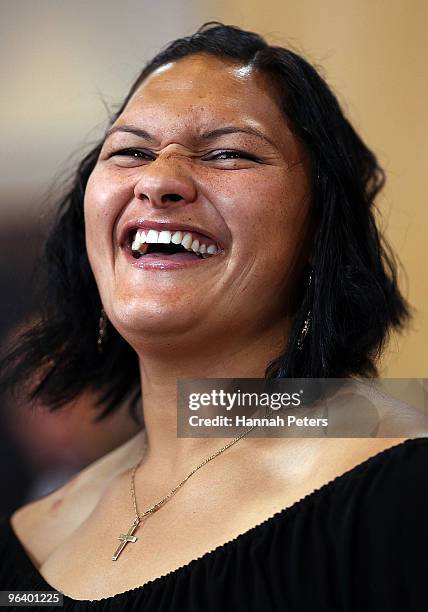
{"x":138,"y":317}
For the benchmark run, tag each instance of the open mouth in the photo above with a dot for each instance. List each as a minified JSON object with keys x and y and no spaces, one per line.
{"x":176,"y":245}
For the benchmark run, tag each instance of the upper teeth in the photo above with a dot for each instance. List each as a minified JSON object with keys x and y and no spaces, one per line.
{"x":165,"y":237}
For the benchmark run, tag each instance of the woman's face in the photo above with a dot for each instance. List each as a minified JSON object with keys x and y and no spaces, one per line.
{"x":202,"y":143}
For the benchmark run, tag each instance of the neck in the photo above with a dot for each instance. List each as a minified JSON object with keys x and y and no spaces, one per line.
{"x":160,"y":367}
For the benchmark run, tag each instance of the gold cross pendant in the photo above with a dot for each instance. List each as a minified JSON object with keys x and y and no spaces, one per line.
{"x":125,"y":538}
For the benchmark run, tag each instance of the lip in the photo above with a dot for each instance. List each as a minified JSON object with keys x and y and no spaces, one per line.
{"x":146,"y":224}
{"x":149,"y":262}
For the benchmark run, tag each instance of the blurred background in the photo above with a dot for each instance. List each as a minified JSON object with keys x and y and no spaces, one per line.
{"x":65,"y":64}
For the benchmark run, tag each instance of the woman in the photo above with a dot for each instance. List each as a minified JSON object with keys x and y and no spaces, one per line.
{"x":244,"y":147}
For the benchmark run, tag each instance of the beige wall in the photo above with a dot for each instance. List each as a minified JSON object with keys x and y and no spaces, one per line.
{"x":374,"y":55}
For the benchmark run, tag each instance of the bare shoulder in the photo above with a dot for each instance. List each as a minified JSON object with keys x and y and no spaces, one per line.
{"x":306,"y":464}
{"x":42,"y":525}
{"x":380,"y":408}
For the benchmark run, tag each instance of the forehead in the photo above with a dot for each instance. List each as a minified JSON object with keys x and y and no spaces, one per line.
{"x":200,"y":91}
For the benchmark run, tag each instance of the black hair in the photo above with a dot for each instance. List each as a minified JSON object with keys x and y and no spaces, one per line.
{"x":353,"y":296}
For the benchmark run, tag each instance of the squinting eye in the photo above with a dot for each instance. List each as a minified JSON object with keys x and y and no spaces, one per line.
{"x":232,"y":155}
{"x":132,"y":153}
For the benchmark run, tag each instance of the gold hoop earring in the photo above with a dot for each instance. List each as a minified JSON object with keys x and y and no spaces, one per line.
{"x":102,"y":331}
{"x":304,"y":331}
{"x":307,"y":323}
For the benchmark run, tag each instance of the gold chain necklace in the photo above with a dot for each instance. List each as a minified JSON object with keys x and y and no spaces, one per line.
{"x":129,"y":536}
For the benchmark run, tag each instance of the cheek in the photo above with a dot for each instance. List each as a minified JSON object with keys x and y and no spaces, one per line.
{"x":267,"y":216}
{"x":104,"y":199}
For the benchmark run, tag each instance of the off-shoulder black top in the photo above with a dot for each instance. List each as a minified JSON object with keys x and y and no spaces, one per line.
{"x":359,"y":543}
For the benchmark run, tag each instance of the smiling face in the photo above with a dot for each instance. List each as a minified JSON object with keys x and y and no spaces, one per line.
{"x":202,"y":144}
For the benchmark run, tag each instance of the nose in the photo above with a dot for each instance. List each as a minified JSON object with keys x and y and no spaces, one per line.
{"x":164,"y":182}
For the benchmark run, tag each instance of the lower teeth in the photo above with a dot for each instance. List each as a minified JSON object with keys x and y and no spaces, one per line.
{"x":138,"y":254}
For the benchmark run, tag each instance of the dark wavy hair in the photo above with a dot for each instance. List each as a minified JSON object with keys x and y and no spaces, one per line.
{"x":353,"y":297}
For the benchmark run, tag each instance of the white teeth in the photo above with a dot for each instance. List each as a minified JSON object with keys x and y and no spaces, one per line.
{"x":136,"y":244}
{"x":177,"y":237}
{"x":152,"y":237}
{"x":187,"y":240}
{"x":164,"y":237}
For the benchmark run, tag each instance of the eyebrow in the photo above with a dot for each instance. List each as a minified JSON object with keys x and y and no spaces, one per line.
{"x":210,"y":135}
{"x":131,"y":129}
{"x":233,"y":130}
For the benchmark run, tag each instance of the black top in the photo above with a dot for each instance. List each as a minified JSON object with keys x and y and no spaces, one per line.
{"x":359,"y":543}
